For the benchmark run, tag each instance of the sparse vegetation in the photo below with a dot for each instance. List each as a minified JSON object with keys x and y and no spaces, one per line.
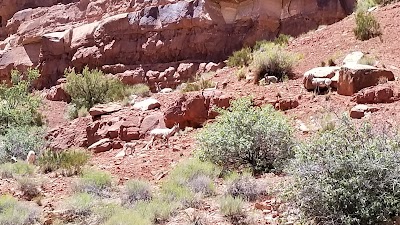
{"x":156,"y":210}
{"x":92,"y":87}
{"x":94,"y":182}
{"x":137,"y":190}
{"x":231,"y":206}
{"x":18,"y":141}
{"x":29,"y":187}
{"x":245,"y":187}
{"x":348,"y":175}
{"x":367,"y":60}
{"x":141,"y":90}
{"x":245,"y":136}
{"x":367,"y":26}
{"x":241,"y":73}
{"x":273,"y":60}
{"x":9,"y":170}
{"x":240,"y":58}
{"x":128,"y":217}
{"x":13,"y":212}
{"x":200,"y":83}
{"x":68,"y":162}
{"x":80,"y":204}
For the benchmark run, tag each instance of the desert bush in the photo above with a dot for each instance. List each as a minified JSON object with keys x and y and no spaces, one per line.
{"x":69,"y":161}
{"x":13,"y":212}
{"x":156,"y":210}
{"x":202,"y":184}
{"x":137,"y":190}
{"x":200,"y":83}
{"x":174,"y":192}
{"x":259,"y":138}
{"x":92,"y":87}
{"x":29,"y":187}
{"x":245,"y":187}
{"x":80,"y":204}
{"x":348,"y":175}
{"x":367,"y":26}
{"x":231,"y":206}
{"x":128,"y":217}
{"x":367,"y":60}
{"x":241,"y":73}
{"x":94,"y":182}
{"x":282,"y":39}
{"x":141,"y":90}
{"x":240,"y":58}
{"x":273,"y":60}
{"x":18,"y":141}
{"x":18,"y":107}
{"x":9,"y":170}
{"x":104,"y":211}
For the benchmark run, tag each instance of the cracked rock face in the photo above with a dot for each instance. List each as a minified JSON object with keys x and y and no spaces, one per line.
{"x":125,"y":34}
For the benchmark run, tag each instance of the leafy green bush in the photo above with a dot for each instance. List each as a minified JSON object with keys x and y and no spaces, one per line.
{"x":92,"y":87}
{"x":80,"y":204}
{"x":94,"y":182}
{"x":13,"y":212}
{"x":18,"y":107}
{"x":282,"y":39}
{"x":240,"y":58}
{"x":8,"y":170}
{"x":367,"y":26}
{"x":273,"y":60}
{"x":137,"y":190}
{"x":231,"y":206}
{"x":18,"y":141}
{"x":348,"y":175}
{"x":69,"y":161}
{"x":243,"y":135}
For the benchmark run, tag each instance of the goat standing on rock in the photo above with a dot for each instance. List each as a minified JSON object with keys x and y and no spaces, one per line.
{"x":164,"y":133}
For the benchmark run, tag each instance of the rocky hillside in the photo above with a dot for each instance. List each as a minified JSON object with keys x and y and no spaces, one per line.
{"x":120,"y":36}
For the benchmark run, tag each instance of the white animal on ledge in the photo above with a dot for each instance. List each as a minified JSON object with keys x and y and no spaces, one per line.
{"x":164,"y":133}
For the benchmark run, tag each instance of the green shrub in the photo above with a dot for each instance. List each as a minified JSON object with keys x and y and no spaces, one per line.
{"x":348,"y":175}
{"x":128,"y":217}
{"x":29,"y":187}
{"x":18,"y":107}
{"x":104,"y":211}
{"x":231,"y":206}
{"x":156,"y":210}
{"x":200,"y":84}
{"x":273,"y":60}
{"x":141,"y":90}
{"x":282,"y":39}
{"x":243,"y":135}
{"x":80,"y":204}
{"x":13,"y":212}
{"x":241,"y":73}
{"x":8,"y":170}
{"x":240,"y":58}
{"x":245,"y":187}
{"x":92,"y":87}
{"x":174,"y":192}
{"x":18,"y":141}
{"x":367,"y":26}
{"x":94,"y":182}
{"x":69,"y":161}
{"x":137,"y":190}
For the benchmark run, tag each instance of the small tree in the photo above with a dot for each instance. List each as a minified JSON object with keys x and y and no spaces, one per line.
{"x":247,"y":136}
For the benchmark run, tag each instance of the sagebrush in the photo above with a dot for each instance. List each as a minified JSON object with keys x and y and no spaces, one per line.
{"x":68,"y":162}
{"x":348,"y":175}
{"x":13,"y":212}
{"x":367,"y":26}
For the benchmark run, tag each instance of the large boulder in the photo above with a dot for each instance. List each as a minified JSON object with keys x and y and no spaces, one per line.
{"x":354,"y":77}
{"x":147,"y":104}
{"x":358,"y":111}
{"x":102,"y":109}
{"x":378,"y":94}
{"x":57,"y":93}
{"x":193,"y":110}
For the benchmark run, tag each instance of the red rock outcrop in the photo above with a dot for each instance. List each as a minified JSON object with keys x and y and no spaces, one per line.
{"x":131,"y":33}
{"x":378,"y":94}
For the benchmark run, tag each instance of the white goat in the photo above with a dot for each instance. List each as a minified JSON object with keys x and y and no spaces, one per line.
{"x":164,"y":133}
{"x":163,"y":90}
{"x":31,"y":157}
{"x":321,"y":83}
{"x":129,"y":148}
